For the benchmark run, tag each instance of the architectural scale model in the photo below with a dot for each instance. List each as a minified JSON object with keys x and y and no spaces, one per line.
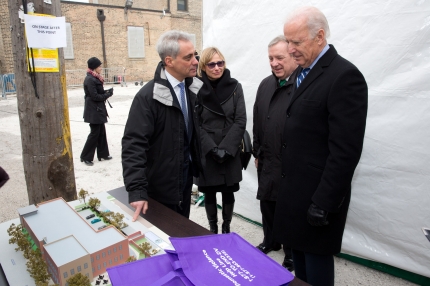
{"x":70,"y":243}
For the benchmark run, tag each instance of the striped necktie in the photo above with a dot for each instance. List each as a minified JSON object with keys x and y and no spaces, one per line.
{"x":302,"y":76}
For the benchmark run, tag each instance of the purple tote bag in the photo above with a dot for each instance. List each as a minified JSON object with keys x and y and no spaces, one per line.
{"x":154,"y":271}
{"x":227,"y":259}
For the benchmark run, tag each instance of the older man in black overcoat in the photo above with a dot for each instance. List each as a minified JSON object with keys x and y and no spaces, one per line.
{"x":323,"y":139}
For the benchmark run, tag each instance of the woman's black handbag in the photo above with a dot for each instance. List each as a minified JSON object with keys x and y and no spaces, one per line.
{"x":245,"y":150}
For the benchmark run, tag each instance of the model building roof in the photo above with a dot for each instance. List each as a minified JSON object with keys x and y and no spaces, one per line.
{"x":61,"y":257}
{"x":55,"y":220}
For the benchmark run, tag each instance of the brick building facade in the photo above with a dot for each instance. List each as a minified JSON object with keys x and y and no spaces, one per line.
{"x":146,"y":19}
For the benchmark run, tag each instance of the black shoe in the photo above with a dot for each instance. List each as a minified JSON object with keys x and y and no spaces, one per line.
{"x":288,"y":263}
{"x":88,"y":163}
{"x":267,"y":249}
{"x":105,"y":158}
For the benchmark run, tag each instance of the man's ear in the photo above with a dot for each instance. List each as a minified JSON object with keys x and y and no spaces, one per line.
{"x":320,"y":36}
{"x":168,"y":61}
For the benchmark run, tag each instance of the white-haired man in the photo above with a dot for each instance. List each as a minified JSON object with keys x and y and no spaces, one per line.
{"x":160,"y":148}
{"x":323,"y":137}
{"x":271,"y":102}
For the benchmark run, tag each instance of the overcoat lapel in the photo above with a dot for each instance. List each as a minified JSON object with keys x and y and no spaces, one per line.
{"x":314,"y":73}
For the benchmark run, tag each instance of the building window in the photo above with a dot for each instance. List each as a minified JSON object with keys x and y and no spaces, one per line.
{"x":114,"y":249}
{"x":98,"y":256}
{"x":68,"y":51}
{"x":110,"y":261}
{"x":104,"y":264}
{"x":99,"y":267}
{"x":103,"y":254}
{"x":85,"y":265}
{"x":116,"y":259}
{"x":120,"y":257}
{"x":92,"y":259}
{"x":136,"y":42}
{"x":79,"y":268}
{"x":182,"y":5}
{"x":65,"y":274}
{"x":120,"y":246}
{"x":109,"y":252}
{"x":72,"y":271}
{"x":94,"y":270}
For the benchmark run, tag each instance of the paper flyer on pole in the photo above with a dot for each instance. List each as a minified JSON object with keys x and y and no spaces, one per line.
{"x":45,"y":32}
{"x":45,"y":60}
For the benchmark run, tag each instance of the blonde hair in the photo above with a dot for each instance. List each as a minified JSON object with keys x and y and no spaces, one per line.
{"x":206,"y":56}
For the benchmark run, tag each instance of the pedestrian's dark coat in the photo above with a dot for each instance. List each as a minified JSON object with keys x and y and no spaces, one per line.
{"x":95,"y":96}
{"x":153,"y":141}
{"x":222,"y":125}
{"x":324,"y":133}
{"x":269,"y":118}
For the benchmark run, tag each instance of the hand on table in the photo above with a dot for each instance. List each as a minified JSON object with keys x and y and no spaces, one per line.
{"x":139,"y":206}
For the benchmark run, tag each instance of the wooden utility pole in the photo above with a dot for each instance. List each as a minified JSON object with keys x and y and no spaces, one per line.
{"x":45,"y":128}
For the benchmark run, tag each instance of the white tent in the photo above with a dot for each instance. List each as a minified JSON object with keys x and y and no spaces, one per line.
{"x":389,"y":41}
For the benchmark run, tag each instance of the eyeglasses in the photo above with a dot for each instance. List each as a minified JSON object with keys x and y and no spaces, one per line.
{"x":212,"y":65}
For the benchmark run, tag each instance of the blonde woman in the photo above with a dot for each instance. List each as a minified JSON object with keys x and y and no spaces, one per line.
{"x":222,"y":117}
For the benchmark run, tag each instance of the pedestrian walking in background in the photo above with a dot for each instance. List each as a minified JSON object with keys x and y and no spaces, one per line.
{"x":95,"y":113}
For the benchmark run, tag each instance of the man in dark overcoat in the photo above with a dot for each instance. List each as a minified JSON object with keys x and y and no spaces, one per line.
{"x":323,"y":139}
{"x":160,"y":147}
{"x":273,"y":96}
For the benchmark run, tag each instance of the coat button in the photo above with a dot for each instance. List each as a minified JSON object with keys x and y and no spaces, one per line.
{"x":288,"y":115}
{"x":283,"y":175}
{"x":284,"y":145}
{"x":268,"y":117}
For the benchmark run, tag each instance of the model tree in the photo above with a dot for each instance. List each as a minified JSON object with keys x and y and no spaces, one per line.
{"x":94,"y":203}
{"x":37,"y":267}
{"x":79,"y":280}
{"x":82,"y":194}
{"x":130,"y":259}
{"x":146,"y":249}
{"x":117,"y":221}
{"x":18,"y":237}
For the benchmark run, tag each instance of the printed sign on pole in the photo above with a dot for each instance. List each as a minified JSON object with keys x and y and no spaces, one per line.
{"x":45,"y":32}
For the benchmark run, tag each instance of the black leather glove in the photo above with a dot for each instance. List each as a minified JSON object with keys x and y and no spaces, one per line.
{"x":111,"y":91}
{"x":317,"y":216}
{"x":220,"y":155}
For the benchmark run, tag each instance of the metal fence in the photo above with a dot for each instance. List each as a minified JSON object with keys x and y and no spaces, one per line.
{"x":7,"y":84}
{"x":111,"y":75}
{"x":73,"y":78}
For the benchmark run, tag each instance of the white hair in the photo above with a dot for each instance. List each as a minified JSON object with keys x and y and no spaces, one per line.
{"x":315,"y":20}
{"x":278,"y":39}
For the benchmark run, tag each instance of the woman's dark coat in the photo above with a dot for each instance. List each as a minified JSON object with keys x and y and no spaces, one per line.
{"x":269,"y":118}
{"x":95,"y":96}
{"x":222,"y":125}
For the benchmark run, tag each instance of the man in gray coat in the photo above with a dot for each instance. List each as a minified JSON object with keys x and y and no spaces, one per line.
{"x":160,"y":146}
{"x":273,"y":96}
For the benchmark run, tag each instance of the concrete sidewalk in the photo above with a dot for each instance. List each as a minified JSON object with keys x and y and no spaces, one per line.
{"x":107,"y":175}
